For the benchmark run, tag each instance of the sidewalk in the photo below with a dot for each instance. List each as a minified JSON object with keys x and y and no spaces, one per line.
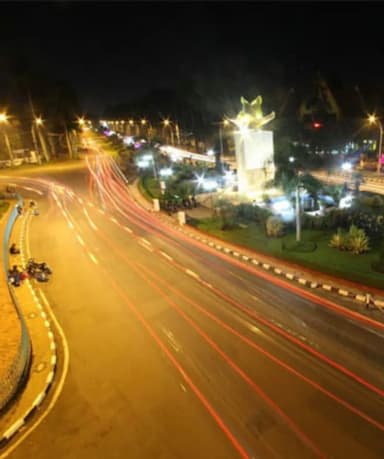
{"x":44,"y":357}
{"x":306,"y":278}
{"x":10,"y":328}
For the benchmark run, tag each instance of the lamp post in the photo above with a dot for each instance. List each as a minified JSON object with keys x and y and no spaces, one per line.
{"x":167,"y":124}
{"x":3,"y":121}
{"x":39,"y":123}
{"x":374,"y":120}
{"x":177,"y":130}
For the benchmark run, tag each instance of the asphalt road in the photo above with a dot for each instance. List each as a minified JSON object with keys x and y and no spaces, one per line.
{"x":178,"y":351}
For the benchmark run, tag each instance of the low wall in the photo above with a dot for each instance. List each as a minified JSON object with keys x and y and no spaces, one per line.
{"x":17,"y":350}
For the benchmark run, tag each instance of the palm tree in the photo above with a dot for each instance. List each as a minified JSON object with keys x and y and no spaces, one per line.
{"x":292,"y":180}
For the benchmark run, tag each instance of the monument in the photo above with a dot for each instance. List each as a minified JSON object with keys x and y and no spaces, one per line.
{"x":254,"y":146}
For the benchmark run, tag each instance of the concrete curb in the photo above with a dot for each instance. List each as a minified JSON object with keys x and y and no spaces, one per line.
{"x":17,"y":425}
{"x":360,"y":297}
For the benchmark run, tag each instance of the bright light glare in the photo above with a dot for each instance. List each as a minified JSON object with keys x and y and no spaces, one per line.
{"x":3,"y":117}
{"x":229,"y":176}
{"x":209,"y":185}
{"x":346,"y":202}
{"x":166,"y":172}
{"x":143,"y":163}
{"x":128,"y":140}
{"x":243,"y":130}
{"x":210,"y":152}
{"x":346,"y":166}
{"x":291,"y":159}
{"x":147,"y":157}
{"x":372,"y":119}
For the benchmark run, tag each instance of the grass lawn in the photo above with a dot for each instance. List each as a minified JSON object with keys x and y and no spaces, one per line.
{"x":324,"y":258}
{"x":4,"y":205}
{"x":149,"y":188}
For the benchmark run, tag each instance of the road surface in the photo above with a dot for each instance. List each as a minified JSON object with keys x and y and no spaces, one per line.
{"x":179,"y":351}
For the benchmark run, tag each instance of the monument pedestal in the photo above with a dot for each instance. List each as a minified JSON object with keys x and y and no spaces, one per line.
{"x":254,"y":157}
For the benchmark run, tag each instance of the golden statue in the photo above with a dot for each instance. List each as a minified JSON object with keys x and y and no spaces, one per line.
{"x":251,"y":115}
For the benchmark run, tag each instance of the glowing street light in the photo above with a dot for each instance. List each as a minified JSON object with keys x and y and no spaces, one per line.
{"x":375,"y":120}
{"x":143,"y":121}
{"x":39,"y":121}
{"x":3,"y":120}
{"x":346,"y":166}
{"x":166,"y":172}
{"x":81,"y":121}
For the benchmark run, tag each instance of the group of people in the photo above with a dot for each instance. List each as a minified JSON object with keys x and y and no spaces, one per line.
{"x":32,"y":206}
{"x":173,"y":205}
{"x":15,"y":276}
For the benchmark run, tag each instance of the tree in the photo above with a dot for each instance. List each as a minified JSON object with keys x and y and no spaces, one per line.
{"x":292,"y":180}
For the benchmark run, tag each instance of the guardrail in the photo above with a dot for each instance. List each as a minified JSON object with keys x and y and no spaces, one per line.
{"x":19,"y":368}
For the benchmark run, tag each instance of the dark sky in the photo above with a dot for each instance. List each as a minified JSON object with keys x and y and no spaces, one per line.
{"x":113,"y":51}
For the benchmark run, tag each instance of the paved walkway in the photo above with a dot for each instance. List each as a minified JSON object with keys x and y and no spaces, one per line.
{"x":44,"y":359}
{"x":10,"y":329}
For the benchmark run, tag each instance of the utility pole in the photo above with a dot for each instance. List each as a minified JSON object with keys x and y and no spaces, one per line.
{"x":8,"y":145}
{"x":34,"y":139}
{"x":298,"y":222}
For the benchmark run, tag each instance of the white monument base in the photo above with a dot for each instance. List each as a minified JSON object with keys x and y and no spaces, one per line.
{"x":254,"y":157}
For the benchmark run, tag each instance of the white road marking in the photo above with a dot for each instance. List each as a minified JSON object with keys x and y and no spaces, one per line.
{"x":92,"y":225}
{"x":127,"y":229}
{"x":165,"y":255}
{"x":145,"y":246}
{"x":79,"y":238}
{"x":57,"y":391}
{"x":206,"y":284}
{"x":93,"y":258}
{"x":145,"y":241}
{"x":33,"y":189}
{"x":191,"y":273}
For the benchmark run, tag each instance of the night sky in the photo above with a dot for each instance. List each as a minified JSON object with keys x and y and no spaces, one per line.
{"x":112,"y":52}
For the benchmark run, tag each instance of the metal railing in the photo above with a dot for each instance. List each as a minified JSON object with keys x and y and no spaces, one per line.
{"x":19,"y":368}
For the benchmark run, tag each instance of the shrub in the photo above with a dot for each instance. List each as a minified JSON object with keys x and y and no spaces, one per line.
{"x":274,"y":226}
{"x":245,"y":212}
{"x":377,"y":201}
{"x":378,"y":265}
{"x":225,"y":212}
{"x":355,"y":241}
{"x":338,"y":240}
{"x":261,"y":215}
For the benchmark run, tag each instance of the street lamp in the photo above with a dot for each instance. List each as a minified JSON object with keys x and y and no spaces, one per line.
{"x":225,"y":123}
{"x":167,"y":123}
{"x":4,"y":120}
{"x":374,"y":120}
